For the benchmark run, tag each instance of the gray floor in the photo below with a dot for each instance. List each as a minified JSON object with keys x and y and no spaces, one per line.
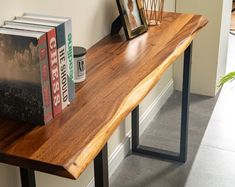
{"x":211,"y":154}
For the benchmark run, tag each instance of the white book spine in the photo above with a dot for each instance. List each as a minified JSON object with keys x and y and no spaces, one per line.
{"x":70,"y":61}
{"x":63,"y":76}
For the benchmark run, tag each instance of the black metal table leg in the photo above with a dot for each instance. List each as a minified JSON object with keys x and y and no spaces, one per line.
{"x":27,"y":177}
{"x":185,"y":104}
{"x":101,"y":168}
{"x":164,"y":154}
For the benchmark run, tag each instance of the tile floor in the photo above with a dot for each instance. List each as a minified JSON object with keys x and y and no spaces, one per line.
{"x":211,"y":154}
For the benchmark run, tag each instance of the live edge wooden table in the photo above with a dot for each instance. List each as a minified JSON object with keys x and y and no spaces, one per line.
{"x":120,"y":74}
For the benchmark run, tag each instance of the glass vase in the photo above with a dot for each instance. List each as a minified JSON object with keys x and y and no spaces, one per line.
{"x":153,"y":11}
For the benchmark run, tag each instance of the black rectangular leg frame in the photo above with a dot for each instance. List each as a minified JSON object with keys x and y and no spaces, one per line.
{"x":27,"y":177}
{"x":164,"y":154}
{"x":101,"y":168}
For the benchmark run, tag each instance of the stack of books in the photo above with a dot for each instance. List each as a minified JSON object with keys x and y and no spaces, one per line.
{"x":36,"y":67}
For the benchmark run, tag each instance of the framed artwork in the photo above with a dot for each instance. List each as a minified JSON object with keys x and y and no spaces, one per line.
{"x":132,"y":16}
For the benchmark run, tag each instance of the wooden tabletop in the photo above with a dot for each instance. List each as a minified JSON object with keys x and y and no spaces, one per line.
{"x":119,"y":75}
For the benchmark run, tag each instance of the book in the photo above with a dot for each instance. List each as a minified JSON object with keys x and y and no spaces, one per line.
{"x":24,"y":76}
{"x":52,"y":58}
{"x":60,"y":39}
{"x":69,"y":46}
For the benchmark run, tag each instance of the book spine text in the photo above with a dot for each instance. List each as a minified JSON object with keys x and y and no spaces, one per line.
{"x":70,"y":63}
{"x":60,"y":35}
{"x":45,"y":82}
{"x":54,"y":72}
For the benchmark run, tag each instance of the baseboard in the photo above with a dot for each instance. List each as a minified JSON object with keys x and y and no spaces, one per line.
{"x":156,"y":105}
{"x":123,"y":149}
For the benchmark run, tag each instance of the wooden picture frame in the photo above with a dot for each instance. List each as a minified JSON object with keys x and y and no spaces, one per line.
{"x":132,"y":16}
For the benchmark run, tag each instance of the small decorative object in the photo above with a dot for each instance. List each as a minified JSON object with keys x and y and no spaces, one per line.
{"x":132,"y":16}
{"x":153,"y":11}
{"x":79,"y":64}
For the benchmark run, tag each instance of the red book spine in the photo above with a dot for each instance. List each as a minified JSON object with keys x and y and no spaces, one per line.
{"x":54,"y":72}
{"x":45,"y":82}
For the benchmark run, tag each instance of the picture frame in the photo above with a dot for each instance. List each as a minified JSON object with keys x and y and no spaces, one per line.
{"x":132,"y":16}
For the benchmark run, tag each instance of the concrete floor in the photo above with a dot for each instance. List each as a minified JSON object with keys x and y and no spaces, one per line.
{"x":211,"y":150}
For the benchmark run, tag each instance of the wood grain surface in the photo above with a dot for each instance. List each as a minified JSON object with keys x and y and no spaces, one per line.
{"x":119,"y":75}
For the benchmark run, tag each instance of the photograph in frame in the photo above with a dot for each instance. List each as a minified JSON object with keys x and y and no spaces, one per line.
{"x":133,"y":20}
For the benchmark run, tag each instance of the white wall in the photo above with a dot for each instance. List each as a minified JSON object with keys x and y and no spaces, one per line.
{"x":91,"y":19}
{"x":9,"y":8}
{"x":91,"y":22}
{"x":224,"y":36}
{"x":210,"y":47}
